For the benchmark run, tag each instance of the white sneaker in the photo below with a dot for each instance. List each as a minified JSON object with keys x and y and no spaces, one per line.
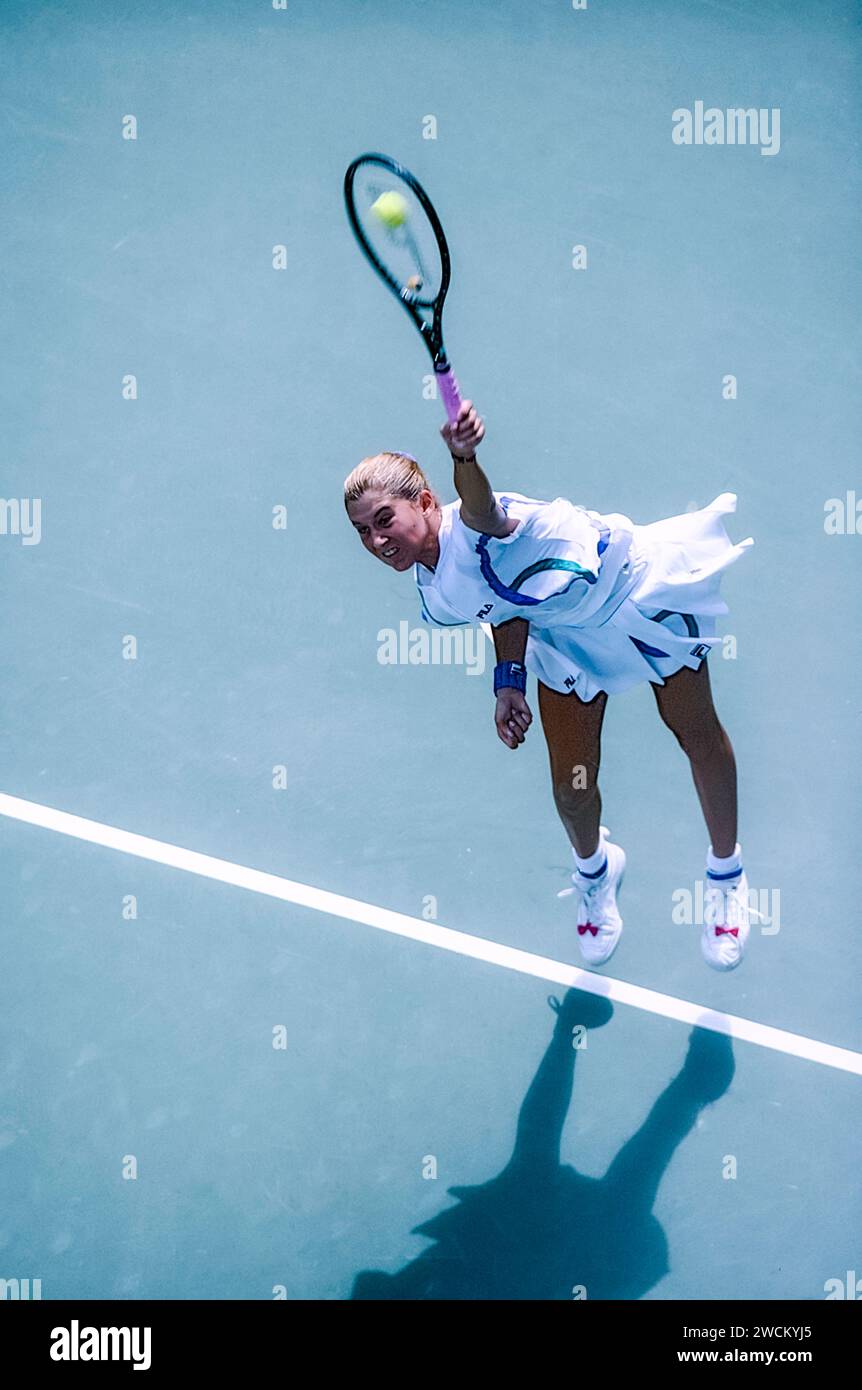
{"x":599,"y":922}
{"x":726,"y":923}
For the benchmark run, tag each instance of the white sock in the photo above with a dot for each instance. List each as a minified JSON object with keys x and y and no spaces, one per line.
{"x":724,"y":870}
{"x":595,"y":865}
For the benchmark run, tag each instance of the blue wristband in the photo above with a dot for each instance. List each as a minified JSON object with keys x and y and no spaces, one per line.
{"x":510,"y":673}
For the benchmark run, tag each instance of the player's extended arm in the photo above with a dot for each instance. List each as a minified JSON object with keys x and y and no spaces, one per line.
{"x":510,"y":639}
{"x":480,"y":510}
{"x":512,"y":713}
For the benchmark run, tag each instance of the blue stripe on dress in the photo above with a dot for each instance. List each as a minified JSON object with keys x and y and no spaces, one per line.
{"x":646,"y":648}
{"x":511,"y":595}
{"x":688,"y":619}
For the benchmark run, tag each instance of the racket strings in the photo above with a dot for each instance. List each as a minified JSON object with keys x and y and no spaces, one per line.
{"x":408,"y":251}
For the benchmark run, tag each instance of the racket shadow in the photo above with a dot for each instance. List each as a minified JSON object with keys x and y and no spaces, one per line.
{"x":542,"y":1230}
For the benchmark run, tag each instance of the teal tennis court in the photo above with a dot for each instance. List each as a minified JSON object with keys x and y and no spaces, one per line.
{"x":319,"y":1062}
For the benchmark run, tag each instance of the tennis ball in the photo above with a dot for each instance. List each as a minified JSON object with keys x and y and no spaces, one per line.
{"x":390,"y":209}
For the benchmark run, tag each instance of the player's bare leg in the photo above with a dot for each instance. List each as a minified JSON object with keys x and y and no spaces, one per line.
{"x":685,"y":704}
{"x":573,"y":731}
{"x":686,"y":707}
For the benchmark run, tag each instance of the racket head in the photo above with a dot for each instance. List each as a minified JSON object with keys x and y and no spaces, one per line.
{"x":412,"y":259}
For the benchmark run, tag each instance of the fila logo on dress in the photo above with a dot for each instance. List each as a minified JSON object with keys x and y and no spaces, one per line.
{"x":483,"y":612}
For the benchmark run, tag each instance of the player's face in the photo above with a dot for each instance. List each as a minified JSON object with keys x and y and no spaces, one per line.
{"x":399,"y":532}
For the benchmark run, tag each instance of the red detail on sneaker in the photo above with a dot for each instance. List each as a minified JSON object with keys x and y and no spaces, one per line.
{"x":585,"y":927}
{"x":727,"y":931}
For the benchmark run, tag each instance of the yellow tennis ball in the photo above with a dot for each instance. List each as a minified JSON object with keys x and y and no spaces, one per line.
{"x":391,"y":209}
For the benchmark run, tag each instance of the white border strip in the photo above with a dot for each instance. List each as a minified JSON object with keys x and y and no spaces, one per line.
{"x":543,"y":968}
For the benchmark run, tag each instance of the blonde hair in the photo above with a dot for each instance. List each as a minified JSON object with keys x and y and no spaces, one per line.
{"x":398,"y":475}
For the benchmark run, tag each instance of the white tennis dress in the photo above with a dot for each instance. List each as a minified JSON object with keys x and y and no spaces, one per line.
{"x":609,"y":603}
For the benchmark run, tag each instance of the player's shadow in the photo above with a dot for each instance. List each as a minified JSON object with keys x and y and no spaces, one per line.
{"x":542,"y":1230}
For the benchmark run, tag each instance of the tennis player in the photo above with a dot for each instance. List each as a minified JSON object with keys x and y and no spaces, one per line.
{"x":590,"y":604}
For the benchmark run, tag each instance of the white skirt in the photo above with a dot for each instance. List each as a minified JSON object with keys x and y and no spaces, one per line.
{"x":665,"y":619}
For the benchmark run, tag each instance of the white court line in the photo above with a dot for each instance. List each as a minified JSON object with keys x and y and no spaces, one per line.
{"x":509,"y":957}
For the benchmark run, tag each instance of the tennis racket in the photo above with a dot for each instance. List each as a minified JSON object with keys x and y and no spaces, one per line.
{"x":399,"y":231}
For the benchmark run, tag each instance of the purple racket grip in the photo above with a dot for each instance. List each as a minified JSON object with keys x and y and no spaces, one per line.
{"x":451,"y":393}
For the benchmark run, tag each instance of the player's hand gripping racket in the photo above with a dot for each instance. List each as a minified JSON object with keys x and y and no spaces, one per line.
{"x":398,"y":229}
